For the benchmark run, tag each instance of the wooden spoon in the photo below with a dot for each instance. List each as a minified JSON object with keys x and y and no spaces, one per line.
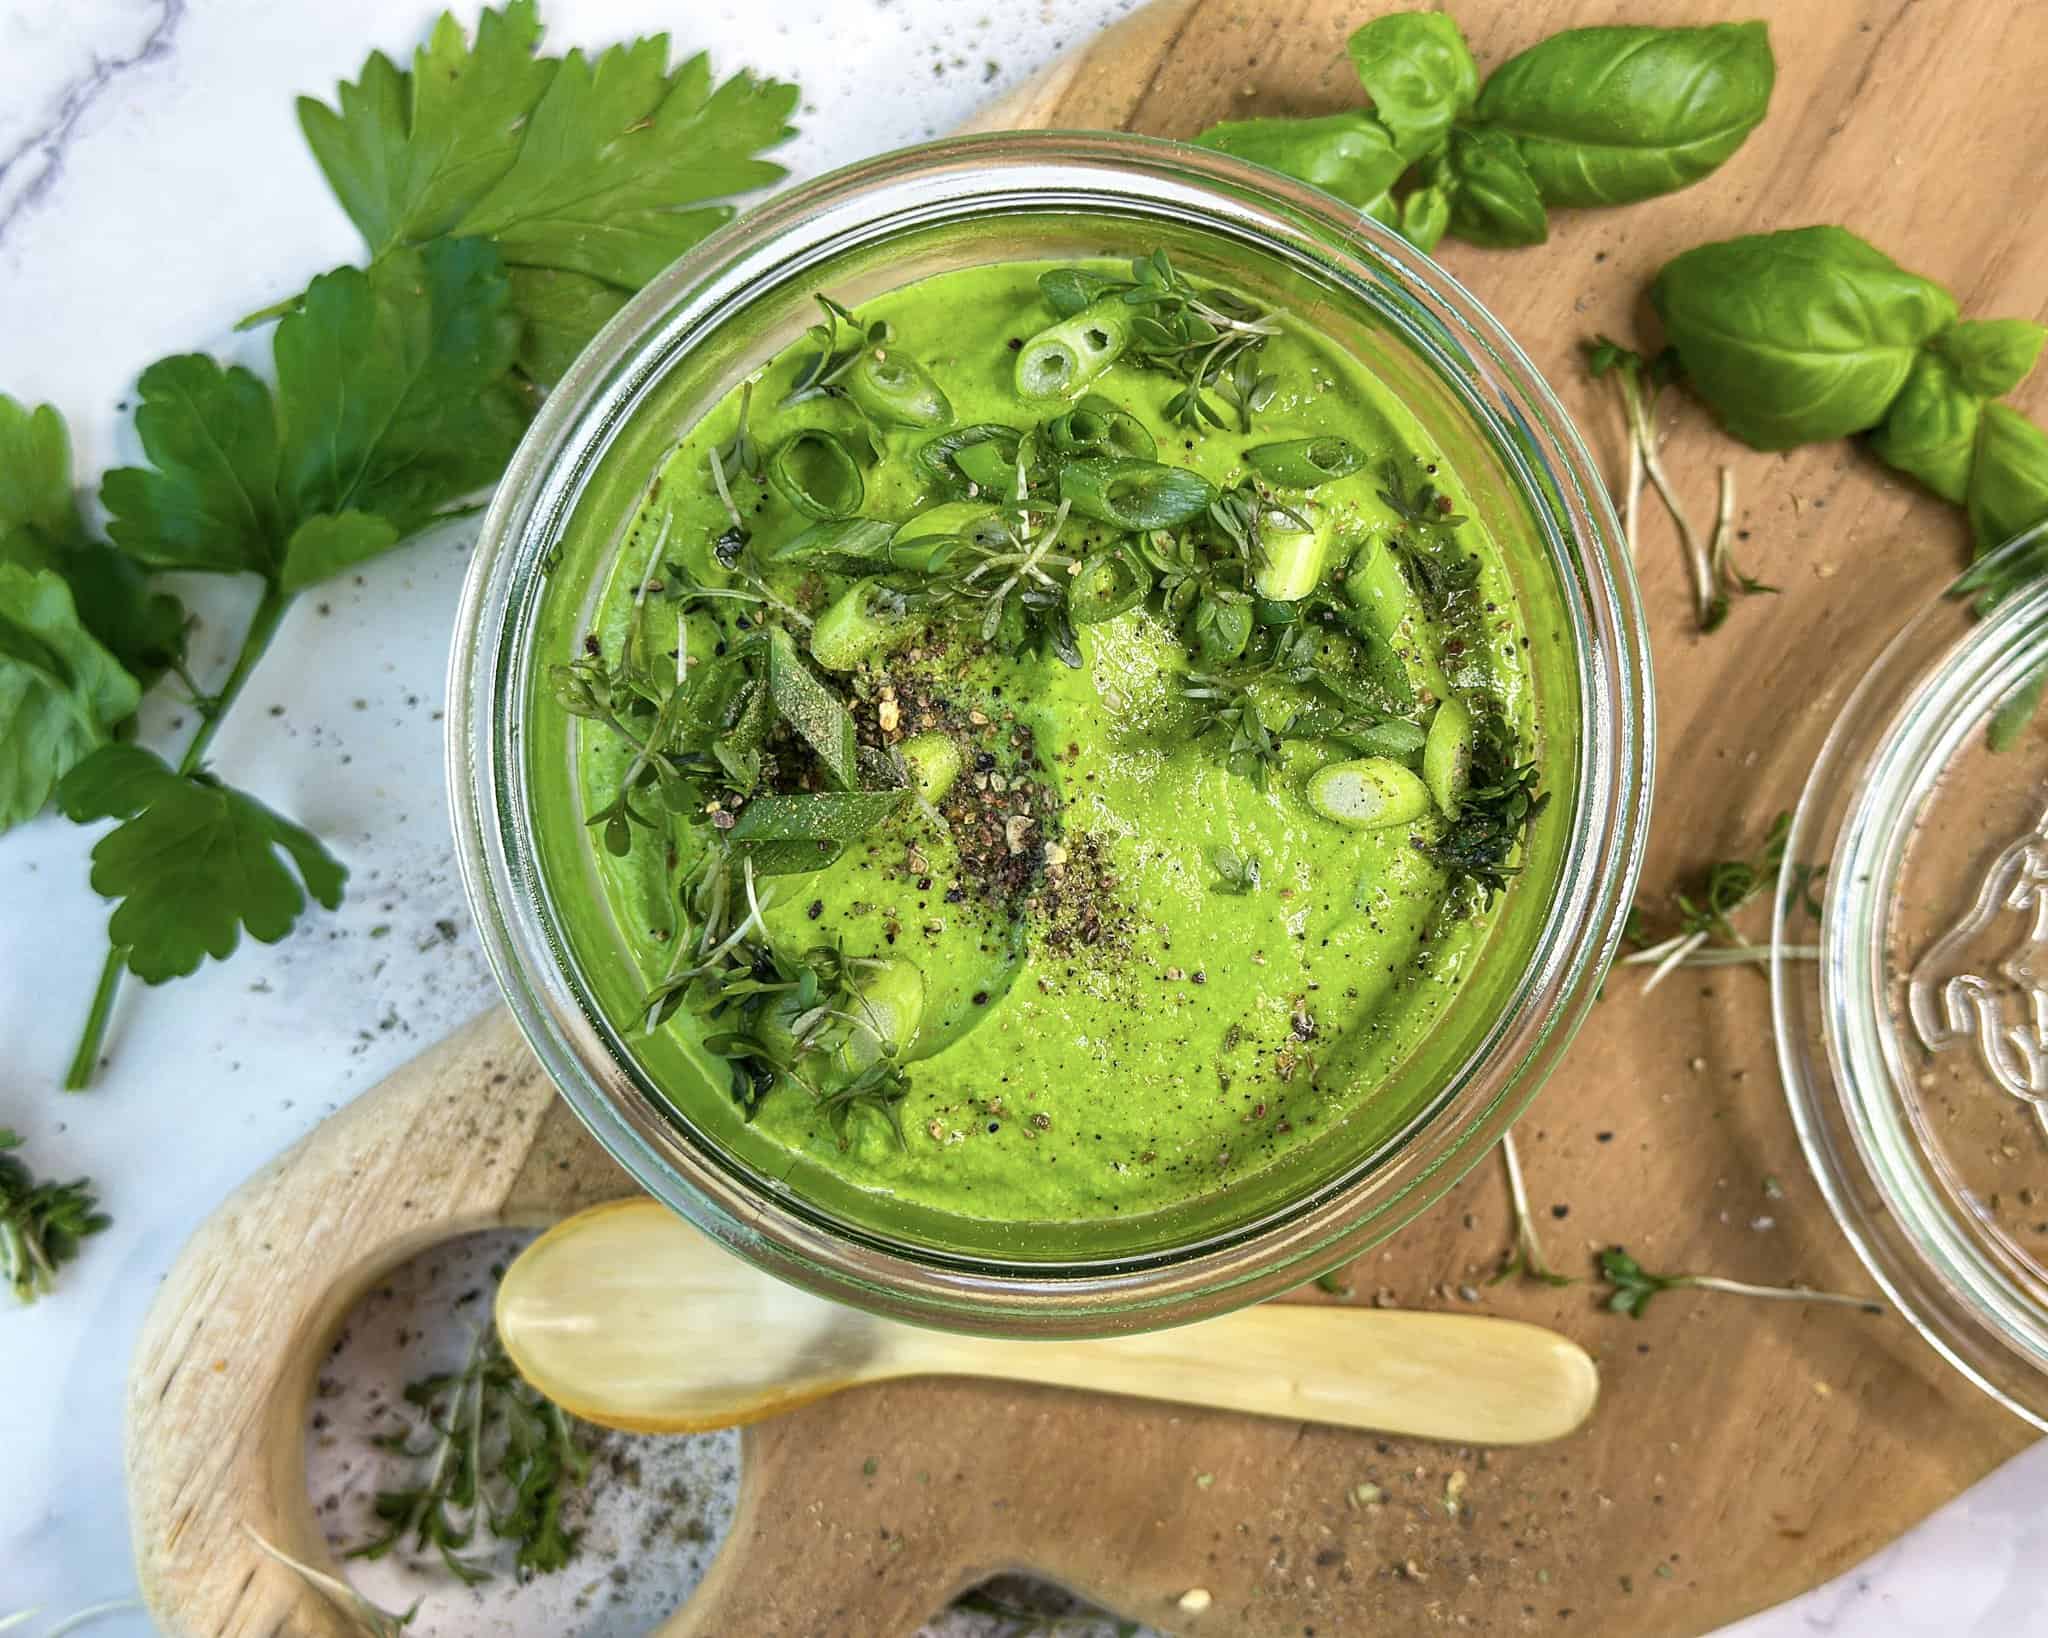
{"x":629,"y":1317}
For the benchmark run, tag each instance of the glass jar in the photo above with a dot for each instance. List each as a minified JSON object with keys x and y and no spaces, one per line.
{"x":1913,"y":1027}
{"x":743,"y":295}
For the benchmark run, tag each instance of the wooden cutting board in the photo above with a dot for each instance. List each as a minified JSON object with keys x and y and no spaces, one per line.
{"x":1742,"y":1452}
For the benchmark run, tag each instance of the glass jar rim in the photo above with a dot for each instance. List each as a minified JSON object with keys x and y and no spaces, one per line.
{"x":1022,"y":172}
{"x":1842,"y":1056}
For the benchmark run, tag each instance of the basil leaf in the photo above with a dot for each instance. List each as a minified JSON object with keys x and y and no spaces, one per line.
{"x":1493,"y":198}
{"x":860,"y":538}
{"x":829,"y":816}
{"x":2008,"y":478}
{"x":1419,"y":72}
{"x":788,"y":858}
{"x":1992,"y":356}
{"x":812,"y":709}
{"x":1800,"y":336}
{"x":1425,"y":214}
{"x":1930,"y":432}
{"x":1349,"y":155}
{"x":1604,"y":116}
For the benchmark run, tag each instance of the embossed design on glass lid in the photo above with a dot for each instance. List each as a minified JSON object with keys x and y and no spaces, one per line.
{"x":1951,"y":1000}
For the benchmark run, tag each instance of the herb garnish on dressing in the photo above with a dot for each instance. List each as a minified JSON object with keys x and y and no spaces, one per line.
{"x":1057,"y":736}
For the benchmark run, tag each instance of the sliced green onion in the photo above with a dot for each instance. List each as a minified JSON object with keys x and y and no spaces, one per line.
{"x":1368,"y":794}
{"x":1290,"y":564}
{"x":860,"y":539}
{"x":934,"y":762}
{"x":1108,"y":584}
{"x":938,"y":459}
{"x":1447,"y":755}
{"x":988,"y":467}
{"x":815,"y":474}
{"x":1064,"y":357}
{"x":1096,"y":426}
{"x":1135,"y":494}
{"x":867,"y":618}
{"x":1302,"y":463}
{"x":894,"y":388}
{"x":925,"y":542}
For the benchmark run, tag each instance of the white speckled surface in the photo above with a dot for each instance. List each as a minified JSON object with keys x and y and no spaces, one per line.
{"x":153,"y":187}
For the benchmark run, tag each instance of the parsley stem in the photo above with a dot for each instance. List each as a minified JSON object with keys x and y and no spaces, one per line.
{"x":263,"y":626}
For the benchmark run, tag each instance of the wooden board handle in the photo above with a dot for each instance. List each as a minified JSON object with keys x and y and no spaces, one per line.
{"x":468,"y":1136}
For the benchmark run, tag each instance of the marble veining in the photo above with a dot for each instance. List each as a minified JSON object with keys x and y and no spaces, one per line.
{"x":153,"y":187}
{"x":31,"y":160}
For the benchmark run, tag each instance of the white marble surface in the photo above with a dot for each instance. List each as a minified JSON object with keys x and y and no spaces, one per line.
{"x":153,"y":187}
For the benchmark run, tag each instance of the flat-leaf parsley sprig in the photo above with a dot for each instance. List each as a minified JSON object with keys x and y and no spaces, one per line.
{"x":510,"y":203}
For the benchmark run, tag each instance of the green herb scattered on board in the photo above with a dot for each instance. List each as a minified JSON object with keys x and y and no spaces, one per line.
{"x":510,"y":203}
{"x":1706,"y":935}
{"x":1631,"y":1286}
{"x":1811,"y":334}
{"x":1588,"y":117}
{"x":1524,"y":1259}
{"x":42,"y":1225}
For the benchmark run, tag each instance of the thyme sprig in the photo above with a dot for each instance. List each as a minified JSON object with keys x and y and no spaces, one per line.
{"x":1014,"y":587}
{"x":496,"y":1455}
{"x":1207,"y":338}
{"x":42,"y":1225}
{"x":1496,"y":812}
{"x":1227,"y":709}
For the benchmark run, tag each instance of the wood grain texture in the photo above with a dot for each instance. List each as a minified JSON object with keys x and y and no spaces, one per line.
{"x":1742,"y":1452}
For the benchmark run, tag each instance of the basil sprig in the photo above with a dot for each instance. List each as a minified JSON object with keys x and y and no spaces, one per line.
{"x":1591,"y":116}
{"x":1608,"y":116}
{"x":1810,"y":334}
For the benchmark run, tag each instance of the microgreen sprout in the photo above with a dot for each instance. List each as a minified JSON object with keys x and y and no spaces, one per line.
{"x":1632,"y":1287}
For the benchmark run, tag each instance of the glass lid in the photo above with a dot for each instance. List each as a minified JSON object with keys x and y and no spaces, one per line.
{"x":1914,"y":1036}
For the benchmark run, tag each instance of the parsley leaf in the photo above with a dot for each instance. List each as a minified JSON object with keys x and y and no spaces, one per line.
{"x":35,"y":475}
{"x":40,"y":529}
{"x":391,"y":385}
{"x":61,"y":692}
{"x":590,"y":174}
{"x":208,"y":499}
{"x":41,"y":1224}
{"x":621,"y":157}
{"x":408,"y":153}
{"x":193,"y":862}
{"x":393,"y":400}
